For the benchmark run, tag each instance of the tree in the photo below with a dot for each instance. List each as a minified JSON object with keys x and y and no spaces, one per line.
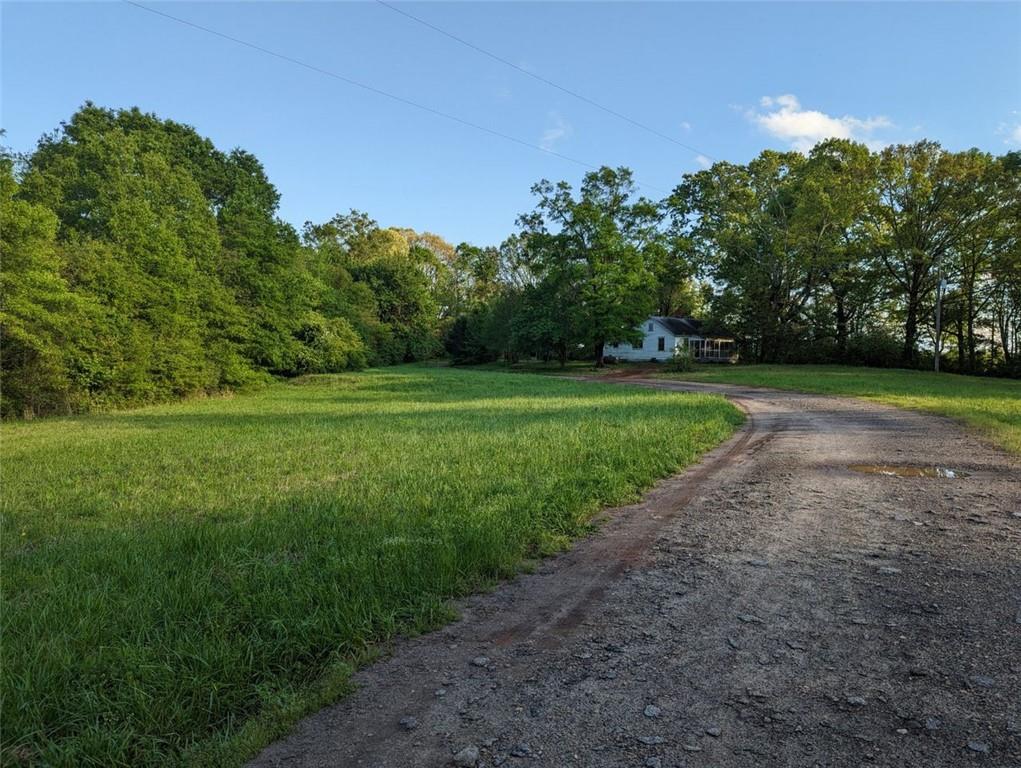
{"x":395,"y":273}
{"x":929,"y":200}
{"x":593,"y":255}
{"x":141,"y":264}
{"x":476,"y":274}
{"x":37,"y":309}
{"x":140,"y":241}
{"x":1004,"y":307}
{"x":834,"y":190}
{"x":749,"y":235}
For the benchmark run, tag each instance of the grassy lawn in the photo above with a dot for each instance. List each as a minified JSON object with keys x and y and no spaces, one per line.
{"x":991,"y":406}
{"x":181,"y":582}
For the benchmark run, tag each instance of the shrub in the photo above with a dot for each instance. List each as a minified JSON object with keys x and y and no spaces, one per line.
{"x":878,"y":349}
{"x":328,"y":345}
{"x":682,"y":360}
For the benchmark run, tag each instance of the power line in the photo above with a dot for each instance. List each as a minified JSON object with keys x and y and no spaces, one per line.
{"x":544,"y":80}
{"x":373,"y":89}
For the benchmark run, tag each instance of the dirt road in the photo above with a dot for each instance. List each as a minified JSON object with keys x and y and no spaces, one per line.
{"x":767,"y":607}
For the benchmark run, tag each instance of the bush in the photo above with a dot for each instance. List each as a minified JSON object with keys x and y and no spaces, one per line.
{"x":329,"y":345}
{"x":682,"y":360}
{"x":877,"y":349}
{"x":464,"y":341}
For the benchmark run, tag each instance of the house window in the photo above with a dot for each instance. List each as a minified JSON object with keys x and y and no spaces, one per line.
{"x":650,"y":326}
{"x":638,"y":345}
{"x":661,"y":344}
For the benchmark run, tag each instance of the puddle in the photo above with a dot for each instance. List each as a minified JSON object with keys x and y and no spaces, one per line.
{"x":892,"y":470}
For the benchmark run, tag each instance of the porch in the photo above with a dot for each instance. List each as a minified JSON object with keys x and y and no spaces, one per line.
{"x":712,"y":350}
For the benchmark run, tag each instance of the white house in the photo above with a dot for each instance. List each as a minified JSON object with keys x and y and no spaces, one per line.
{"x":662,"y":335}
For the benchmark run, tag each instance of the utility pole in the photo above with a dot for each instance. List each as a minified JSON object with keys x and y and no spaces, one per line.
{"x":940,"y":288}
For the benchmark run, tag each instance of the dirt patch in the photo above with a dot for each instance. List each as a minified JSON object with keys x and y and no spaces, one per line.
{"x":766,"y":607}
{"x":631,"y":370}
{"x":892,"y":470}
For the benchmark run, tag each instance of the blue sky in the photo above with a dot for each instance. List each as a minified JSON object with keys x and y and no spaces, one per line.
{"x":728,"y":79}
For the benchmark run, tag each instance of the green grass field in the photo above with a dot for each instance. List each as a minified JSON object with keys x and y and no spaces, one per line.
{"x":181,"y":582}
{"x":990,"y":406}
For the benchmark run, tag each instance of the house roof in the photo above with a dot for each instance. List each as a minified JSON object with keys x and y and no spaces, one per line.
{"x":680,"y":326}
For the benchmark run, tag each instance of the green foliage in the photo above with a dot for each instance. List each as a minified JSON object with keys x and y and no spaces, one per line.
{"x":815,"y":254}
{"x":177,"y":573}
{"x":35,"y":308}
{"x":142,"y":264}
{"x":582,"y":273}
{"x":593,"y":253}
{"x":488,"y":333}
{"x":385,"y":281}
{"x":833,"y":256}
{"x":682,"y":360}
{"x":329,"y":345}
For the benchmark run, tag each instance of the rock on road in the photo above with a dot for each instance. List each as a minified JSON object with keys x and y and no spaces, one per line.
{"x":766,"y":607}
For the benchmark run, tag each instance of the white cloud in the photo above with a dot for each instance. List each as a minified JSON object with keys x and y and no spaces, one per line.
{"x":804,"y":128}
{"x":703,"y":161}
{"x":1011,"y":132}
{"x":686,"y":126}
{"x":560,"y":129}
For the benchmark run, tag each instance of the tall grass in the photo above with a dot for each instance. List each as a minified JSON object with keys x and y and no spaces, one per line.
{"x":180,"y":582}
{"x":990,"y":406}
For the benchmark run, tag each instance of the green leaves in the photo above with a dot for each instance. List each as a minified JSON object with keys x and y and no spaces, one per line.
{"x":808,"y":252}
{"x":142,"y":264}
{"x":594,"y":256}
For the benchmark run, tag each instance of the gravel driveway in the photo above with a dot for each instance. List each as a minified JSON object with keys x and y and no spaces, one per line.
{"x":767,"y":607}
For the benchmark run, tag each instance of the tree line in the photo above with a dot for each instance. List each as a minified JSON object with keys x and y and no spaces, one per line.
{"x":841,"y":255}
{"x":140,"y":263}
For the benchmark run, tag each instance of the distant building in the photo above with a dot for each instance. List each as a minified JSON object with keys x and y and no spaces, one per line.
{"x":662,"y":335}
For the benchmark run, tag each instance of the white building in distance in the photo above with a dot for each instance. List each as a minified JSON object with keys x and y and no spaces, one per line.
{"x":662,"y":335}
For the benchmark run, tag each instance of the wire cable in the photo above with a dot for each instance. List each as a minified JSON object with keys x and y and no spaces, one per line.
{"x":375,"y":90}
{"x":542,"y":79}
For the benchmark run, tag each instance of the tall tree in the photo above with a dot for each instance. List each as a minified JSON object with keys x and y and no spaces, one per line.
{"x":140,"y":238}
{"x":38,"y":312}
{"x":747,"y":237}
{"x":593,"y":254}
{"x":395,"y":270}
{"x":928,"y":202}
{"x":1005,"y":268}
{"x":834,"y":190}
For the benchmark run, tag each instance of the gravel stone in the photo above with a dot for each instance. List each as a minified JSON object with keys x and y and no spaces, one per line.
{"x":467,"y":757}
{"x":521,"y":750}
